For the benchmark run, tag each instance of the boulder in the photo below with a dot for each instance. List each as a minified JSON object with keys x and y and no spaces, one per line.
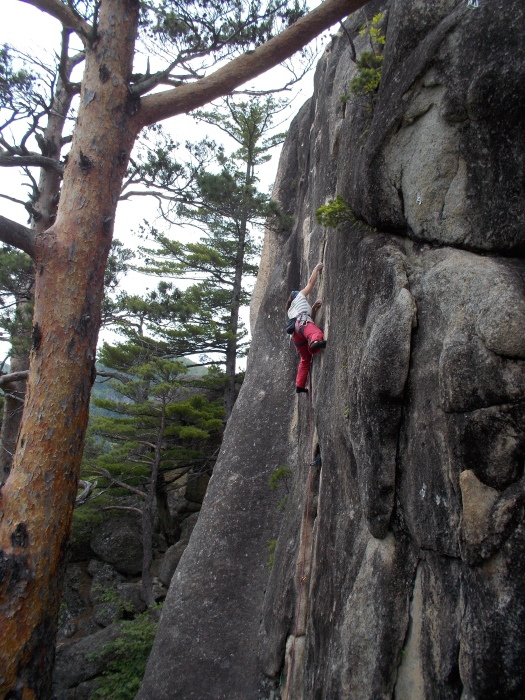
{"x":171,"y":561}
{"x":104,"y":582}
{"x":82,"y":661}
{"x":106,"y":613}
{"x":73,"y":602}
{"x":83,"y":691}
{"x":131,"y":596}
{"x":118,"y":541}
{"x":196,"y":488}
{"x":187,"y":526}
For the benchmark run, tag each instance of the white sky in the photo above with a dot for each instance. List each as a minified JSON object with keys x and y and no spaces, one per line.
{"x":34,"y":32}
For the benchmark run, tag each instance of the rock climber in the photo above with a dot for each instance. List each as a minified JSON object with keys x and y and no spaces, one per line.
{"x":307,"y":337}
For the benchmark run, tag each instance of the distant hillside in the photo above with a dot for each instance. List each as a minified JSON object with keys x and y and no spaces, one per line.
{"x":103,"y":388}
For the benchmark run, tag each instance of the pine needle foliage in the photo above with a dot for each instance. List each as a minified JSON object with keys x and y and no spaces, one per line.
{"x":151,"y":393}
{"x":334,"y":212}
{"x":224,"y":203}
{"x":370,"y":63}
{"x":129,"y":653}
{"x":17,"y":85}
{"x":278,"y":477}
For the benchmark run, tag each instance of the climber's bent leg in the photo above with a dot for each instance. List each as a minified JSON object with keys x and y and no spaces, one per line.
{"x":301,"y":345}
{"x":313,"y":334}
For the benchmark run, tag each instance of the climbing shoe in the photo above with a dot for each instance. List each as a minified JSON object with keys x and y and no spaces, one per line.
{"x":318,"y":345}
{"x":298,"y":390}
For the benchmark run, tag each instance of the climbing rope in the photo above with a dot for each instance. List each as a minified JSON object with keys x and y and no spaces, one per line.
{"x":304,"y":536}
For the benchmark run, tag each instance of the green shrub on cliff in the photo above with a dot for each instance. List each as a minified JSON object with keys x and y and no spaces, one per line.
{"x":130,"y":651}
{"x":370,"y":63}
{"x":334,"y":212}
{"x":279,"y":477}
{"x":367,"y":80}
{"x":271,"y":546}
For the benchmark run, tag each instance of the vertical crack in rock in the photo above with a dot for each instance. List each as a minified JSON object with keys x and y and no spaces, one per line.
{"x":409,"y":680}
{"x":294,"y":676}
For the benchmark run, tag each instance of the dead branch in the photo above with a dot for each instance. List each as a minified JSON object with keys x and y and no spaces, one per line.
{"x":17,"y":235}
{"x":6,"y":379}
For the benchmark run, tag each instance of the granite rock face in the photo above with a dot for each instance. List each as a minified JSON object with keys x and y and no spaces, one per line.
{"x":399,"y":567}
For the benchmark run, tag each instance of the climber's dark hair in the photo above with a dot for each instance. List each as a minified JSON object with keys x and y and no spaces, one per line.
{"x":290,"y":299}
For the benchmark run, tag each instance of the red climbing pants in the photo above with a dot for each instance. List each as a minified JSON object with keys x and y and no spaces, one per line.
{"x":302,"y":341}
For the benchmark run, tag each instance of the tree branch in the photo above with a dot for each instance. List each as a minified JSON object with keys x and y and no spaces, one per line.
{"x":129,"y":509}
{"x":238,"y":71}
{"x":34,"y":159}
{"x":100,"y":471}
{"x":146,"y":193}
{"x":114,"y":375}
{"x":151,"y":81}
{"x":12,"y":199}
{"x":62,"y":68}
{"x":88,"y":487}
{"x":17,"y":235}
{"x":13,"y":377}
{"x":64,"y":14}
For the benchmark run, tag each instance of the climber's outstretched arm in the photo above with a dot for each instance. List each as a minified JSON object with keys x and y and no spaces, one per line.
{"x":313,"y":278}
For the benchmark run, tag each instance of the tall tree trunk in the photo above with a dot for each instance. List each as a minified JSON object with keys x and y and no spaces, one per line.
{"x":163,"y":510}
{"x":233,"y":326}
{"x":44,"y":210}
{"x":148,"y":515}
{"x":36,"y":501}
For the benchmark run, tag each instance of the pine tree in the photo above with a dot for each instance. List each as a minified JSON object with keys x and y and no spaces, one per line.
{"x":228,"y":206}
{"x":160,"y":424}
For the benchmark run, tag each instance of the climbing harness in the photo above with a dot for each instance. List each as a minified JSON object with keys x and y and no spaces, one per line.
{"x":304,"y":535}
{"x":297,"y":323}
{"x":301,"y":321}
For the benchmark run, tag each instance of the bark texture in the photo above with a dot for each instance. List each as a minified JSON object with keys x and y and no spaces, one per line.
{"x":44,"y":208}
{"x":410,"y":566}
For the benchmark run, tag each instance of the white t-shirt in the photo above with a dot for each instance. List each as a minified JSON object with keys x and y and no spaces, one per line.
{"x":299,"y":306}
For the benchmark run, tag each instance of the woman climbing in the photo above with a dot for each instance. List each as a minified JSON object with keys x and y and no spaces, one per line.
{"x":307,"y":338}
